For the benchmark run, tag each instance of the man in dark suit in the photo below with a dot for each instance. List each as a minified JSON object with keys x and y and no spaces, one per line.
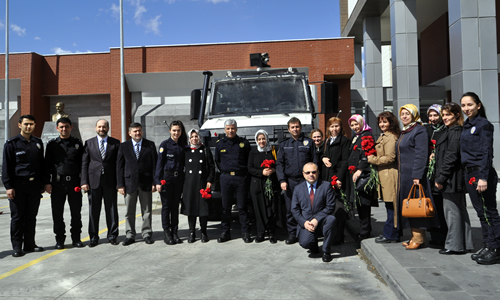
{"x":99,"y":176}
{"x":313,"y":203}
{"x":135,"y":170}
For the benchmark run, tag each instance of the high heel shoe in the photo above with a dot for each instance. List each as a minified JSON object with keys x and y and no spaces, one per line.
{"x":413,"y":246}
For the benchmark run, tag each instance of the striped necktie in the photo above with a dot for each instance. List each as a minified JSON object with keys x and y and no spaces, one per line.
{"x":103,"y":151}
{"x":137,"y":150}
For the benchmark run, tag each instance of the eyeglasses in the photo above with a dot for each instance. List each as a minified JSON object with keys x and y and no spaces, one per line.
{"x":309,"y":172}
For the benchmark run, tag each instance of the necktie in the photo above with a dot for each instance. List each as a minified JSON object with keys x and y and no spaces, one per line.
{"x":311,"y":195}
{"x":103,"y":151}
{"x":137,"y":150}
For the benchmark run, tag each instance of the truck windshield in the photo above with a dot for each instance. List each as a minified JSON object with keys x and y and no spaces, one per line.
{"x":273,"y":94}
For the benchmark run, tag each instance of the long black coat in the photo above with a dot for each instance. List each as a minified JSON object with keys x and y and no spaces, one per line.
{"x":200,"y":169}
{"x":412,"y":150}
{"x":264,"y":207}
{"x":434,"y":135}
{"x":358,"y":159}
{"x":449,"y":172}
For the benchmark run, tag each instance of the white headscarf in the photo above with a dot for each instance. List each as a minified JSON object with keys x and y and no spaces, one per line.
{"x":189,"y":138}
{"x":268,"y":146}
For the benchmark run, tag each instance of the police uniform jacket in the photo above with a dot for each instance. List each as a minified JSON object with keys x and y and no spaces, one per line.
{"x":23,"y":160}
{"x":449,"y":172}
{"x":231,"y":155}
{"x":476,"y":145}
{"x":63,"y":157}
{"x":170,"y":161}
{"x":293,"y":154}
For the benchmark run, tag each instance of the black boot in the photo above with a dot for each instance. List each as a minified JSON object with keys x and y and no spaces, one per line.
{"x":204,"y":236}
{"x":491,"y":257}
{"x":480,"y":252}
{"x":259,"y":238}
{"x":176,"y":238}
{"x":192,"y":236}
{"x":169,"y":240}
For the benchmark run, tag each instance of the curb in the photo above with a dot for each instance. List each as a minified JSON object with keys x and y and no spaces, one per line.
{"x":394,"y":274}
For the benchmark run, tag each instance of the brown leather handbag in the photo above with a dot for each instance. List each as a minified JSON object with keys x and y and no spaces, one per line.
{"x":420,"y":207}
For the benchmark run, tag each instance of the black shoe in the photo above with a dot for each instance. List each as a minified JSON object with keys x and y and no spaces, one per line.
{"x":204,"y":237}
{"x":327,"y":257}
{"x":383,"y":239}
{"x":128,"y":241}
{"x":192,"y":237}
{"x":272,"y":239}
{"x":480,"y":252}
{"x":149,"y":240}
{"x":291,"y":240}
{"x":224,"y":237}
{"x":34,"y":249}
{"x":169,"y":240}
{"x":78,"y":244}
{"x":18,"y":253}
{"x":246,"y":237}
{"x":59,"y":245}
{"x":113,"y":242}
{"x":176,"y":238}
{"x":314,"y":250}
{"x":259,"y":238}
{"x":489,"y":258}
{"x":451,"y":252}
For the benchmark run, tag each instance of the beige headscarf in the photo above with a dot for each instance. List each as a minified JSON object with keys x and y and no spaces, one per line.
{"x":414,"y":112}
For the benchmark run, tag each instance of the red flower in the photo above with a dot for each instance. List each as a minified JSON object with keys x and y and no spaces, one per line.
{"x":268,"y":163}
{"x":472,"y":180}
{"x":77,"y":189}
{"x":352,"y":169}
{"x":334,"y":180}
{"x":368,"y":145}
{"x":433,"y":142}
{"x":355,"y":147}
{"x":163,"y":182}
{"x":205,"y":193}
{"x":215,"y":133}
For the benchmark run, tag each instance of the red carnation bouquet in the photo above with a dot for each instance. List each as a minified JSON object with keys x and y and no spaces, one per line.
{"x":472,"y":181}
{"x":78,"y":189}
{"x":432,"y":163}
{"x":268,"y":186}
{"x":163,"y":182}
{"x":206,"y":193}
{"x":352,"y":169}
{"x":368,"y":145}
{"x":342,"y":195}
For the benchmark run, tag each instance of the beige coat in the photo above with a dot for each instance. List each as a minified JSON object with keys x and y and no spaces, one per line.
{"x":386,"y":163}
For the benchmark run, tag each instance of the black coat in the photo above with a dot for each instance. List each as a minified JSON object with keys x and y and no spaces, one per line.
{"x":358,"y":159}
{"x":200,"y":169}
{"x":338,"y":153}
{"x":264,"y":207}
{"x":434,"y":135}
{"x":449,"y":172}
{"x":132,"y":172}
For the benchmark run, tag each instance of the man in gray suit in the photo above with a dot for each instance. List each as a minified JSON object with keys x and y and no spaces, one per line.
{"x":313,"y":203}
{"x":135,"y":171}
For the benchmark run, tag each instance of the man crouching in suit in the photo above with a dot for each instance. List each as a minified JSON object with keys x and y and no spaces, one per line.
{"x":313,"y":203}
{"x":135,"y":170}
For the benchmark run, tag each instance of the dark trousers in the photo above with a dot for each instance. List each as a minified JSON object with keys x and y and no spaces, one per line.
{"x":389,"y":231}
{"x":291,"y":223}
{"x":110,"y":208}
{"x":364,"y":215}
{"x":485,"y":205}
{"x":261,"y":224}
{"x":326,"y":228}
{"x":58,"y":198}
{"x":233,"y":185}
{"x":170,"y":198}
{"x":203,"y":223}
{"x":23,"y":211}
{"x":439,"y":234}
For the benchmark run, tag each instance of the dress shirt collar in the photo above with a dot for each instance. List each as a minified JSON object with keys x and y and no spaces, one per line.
{"x":134,"y":143}
{"x":104,"y":138}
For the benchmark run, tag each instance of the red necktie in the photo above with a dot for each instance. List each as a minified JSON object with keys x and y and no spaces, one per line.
{"x":311,"y":195}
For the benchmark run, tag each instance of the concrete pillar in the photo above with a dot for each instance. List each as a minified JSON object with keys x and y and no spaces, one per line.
{"x":404,"y":37}
{"x":373,"y":70}
{"x":473,"y":56}
{"x":357,"y":78}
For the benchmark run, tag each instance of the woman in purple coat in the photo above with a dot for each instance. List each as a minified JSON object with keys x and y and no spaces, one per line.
{"x":412,"y":150}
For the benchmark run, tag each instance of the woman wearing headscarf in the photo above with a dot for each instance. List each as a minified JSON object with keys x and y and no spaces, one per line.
{"x":264,"y":188}
{"x":435,"y":130}
{"x":333,"y":162}
{"x":359,"y":166}
{"x":200,"y":172}
{"x":412,"y":151}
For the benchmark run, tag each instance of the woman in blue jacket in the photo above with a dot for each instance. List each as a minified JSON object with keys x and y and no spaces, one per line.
{"x":476,"y":149}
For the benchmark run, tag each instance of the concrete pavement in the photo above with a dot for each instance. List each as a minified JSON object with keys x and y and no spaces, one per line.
{"x":185,"y":271}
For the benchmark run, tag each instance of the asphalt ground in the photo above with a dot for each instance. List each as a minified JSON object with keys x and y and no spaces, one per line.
{"x":184,"y":271}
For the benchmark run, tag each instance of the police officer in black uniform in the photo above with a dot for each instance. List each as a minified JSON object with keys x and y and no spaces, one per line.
{"x":231,"y":157}
{"x":63,"y":161}
{"x":23,"y":177}
{"x":293,"y":154}
{"x":476,"y":151}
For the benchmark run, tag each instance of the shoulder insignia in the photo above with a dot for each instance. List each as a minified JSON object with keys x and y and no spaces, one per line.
{"x":242,"y":145}
{"x":217,"y":141}
{"x":223,"y":150}
{"x":13,"y":139}
{"x":52,"y":140}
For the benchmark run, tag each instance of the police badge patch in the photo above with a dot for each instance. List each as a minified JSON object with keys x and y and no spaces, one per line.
{"x":38,"y":145}
{"x":161,"y":150}
{"x":306,"y":143}
{"x":473,"y":129}
{"x":242,"y":145}
{"x":77,"y":146}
